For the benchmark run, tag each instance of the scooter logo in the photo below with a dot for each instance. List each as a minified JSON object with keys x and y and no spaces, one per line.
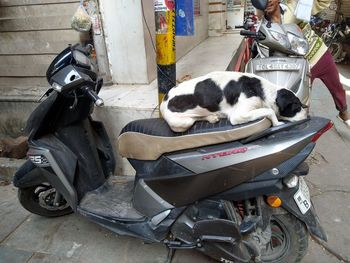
{"x":39,"y":160}
{"x":225,"y":153}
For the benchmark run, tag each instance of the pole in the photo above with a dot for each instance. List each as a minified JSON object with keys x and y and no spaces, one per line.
{"x":165,"y":45}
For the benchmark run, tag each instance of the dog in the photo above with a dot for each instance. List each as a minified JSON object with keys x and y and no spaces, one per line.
{"x":240,"y":97}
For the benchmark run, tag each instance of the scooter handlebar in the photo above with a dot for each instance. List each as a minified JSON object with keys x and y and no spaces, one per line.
{"x":95,"y":98}
{"x":252,"y":34}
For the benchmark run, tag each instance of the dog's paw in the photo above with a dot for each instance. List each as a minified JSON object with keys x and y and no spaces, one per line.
{"x":278,"y":123}
{"x":213,"y":118}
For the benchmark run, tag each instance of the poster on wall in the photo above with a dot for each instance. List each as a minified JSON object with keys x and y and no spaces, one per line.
{"x":184,"y":18}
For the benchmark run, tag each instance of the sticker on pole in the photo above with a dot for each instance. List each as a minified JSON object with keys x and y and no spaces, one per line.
{"x":164,"y":5}
{"x":161,"y":23}
{"x":159,"y":6}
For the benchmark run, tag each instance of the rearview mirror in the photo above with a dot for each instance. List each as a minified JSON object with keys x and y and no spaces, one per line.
{"x":260,"y":4}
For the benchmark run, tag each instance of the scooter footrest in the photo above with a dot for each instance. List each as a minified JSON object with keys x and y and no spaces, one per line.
{"x":112,"y":200}
{"x":249,"y":225}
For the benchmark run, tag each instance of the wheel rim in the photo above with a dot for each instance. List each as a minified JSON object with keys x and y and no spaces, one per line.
{"x":44,"y":195}
{"x":335,"y":49}
{"x":279,"y":243}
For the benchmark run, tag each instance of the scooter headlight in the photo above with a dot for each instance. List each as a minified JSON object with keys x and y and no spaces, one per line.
{"x":281,"y":38}
{"x":298,"y":45}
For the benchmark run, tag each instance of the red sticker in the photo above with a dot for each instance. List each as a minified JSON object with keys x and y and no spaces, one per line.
{"x":170,"y":4}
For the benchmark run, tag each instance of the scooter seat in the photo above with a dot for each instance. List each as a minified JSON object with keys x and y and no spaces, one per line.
{"x":148,"y":139}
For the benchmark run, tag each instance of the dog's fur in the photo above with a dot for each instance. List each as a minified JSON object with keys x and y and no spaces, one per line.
{"x":241,"y":97}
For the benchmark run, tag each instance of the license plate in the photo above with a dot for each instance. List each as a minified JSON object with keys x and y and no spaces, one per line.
{"x":277,"y":66}
{"x":302,"y":197}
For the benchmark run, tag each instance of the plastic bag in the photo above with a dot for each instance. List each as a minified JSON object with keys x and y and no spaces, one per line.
{"x":81,"y":21}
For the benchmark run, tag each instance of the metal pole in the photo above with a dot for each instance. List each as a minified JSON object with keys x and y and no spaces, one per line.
{"x":165,"y":45}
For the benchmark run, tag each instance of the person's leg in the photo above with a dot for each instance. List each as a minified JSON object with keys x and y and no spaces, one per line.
{"x":326,"y":70}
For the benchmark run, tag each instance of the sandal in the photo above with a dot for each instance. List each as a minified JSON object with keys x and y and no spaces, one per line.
{"x":345,"y":118}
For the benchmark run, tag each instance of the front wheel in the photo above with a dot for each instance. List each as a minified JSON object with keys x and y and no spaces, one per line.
{"x":43,"y":200}
{"x":289,"y":240}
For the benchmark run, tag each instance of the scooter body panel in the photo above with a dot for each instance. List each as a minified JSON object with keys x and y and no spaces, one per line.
{"x":287,"y":72}
{"x":229,"y":165}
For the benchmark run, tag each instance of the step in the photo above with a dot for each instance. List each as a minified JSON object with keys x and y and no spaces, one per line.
{"x":8,"y":167}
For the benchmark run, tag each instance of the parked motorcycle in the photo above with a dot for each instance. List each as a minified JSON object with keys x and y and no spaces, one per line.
{"x":318,"y":24}
{"x":334,"y":37}
{"x":235,"y":193}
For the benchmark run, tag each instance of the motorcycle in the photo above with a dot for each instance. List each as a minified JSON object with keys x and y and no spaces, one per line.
{"x":318,"y":24}
{"x":235,"y":193}
{"x":335,"y":37}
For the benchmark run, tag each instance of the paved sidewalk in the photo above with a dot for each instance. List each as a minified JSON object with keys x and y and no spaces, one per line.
{"x":26,"y":238}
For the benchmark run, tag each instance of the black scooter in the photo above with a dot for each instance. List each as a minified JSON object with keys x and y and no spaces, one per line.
{"x":235,"y":193}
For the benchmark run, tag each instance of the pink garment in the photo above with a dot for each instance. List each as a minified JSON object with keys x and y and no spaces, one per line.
{"x":326,"y":70}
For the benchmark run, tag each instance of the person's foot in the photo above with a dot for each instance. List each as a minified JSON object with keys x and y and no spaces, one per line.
{"x":345,"y":117}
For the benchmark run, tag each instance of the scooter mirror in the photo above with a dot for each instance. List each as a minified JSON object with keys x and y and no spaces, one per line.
{"x":260,"y":4}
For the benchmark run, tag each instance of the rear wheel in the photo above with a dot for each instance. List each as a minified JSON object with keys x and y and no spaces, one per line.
{"x":289,"y":240}
{"x":43,"y":200}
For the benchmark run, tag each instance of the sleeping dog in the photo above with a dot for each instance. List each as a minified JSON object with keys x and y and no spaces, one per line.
{"x":241,"y":97}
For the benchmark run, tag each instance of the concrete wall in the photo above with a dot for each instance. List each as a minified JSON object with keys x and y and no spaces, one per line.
{"x":13,"y":117}
{"x":122,"y":22}
{"x":216,"y":17}
{"x":131,"y":54}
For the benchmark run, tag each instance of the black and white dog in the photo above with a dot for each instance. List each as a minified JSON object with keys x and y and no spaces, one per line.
{"x":241,"y":97}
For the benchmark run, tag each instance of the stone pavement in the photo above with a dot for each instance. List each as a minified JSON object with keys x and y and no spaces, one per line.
{"x":26,"y":238}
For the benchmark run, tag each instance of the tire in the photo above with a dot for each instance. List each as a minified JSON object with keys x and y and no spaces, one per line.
{"x":289,"y":240}
{"x":336,"y":50}
{"x":30,"y":200}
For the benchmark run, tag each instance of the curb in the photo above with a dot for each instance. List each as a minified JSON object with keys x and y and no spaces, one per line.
{"x":8,"y":167}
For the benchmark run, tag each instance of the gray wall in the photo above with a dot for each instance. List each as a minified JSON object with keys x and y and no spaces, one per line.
{"x":32,"y":33}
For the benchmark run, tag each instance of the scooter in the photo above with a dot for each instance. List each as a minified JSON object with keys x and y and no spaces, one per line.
{"x":235,"y":193}
{"x":279,"y":56}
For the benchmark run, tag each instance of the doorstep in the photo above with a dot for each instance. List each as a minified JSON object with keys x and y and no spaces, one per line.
{"x":124,"y":103}
{"x":8,"y":167}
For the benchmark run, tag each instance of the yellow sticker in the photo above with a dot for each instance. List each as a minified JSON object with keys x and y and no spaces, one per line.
{"x":165,"y":38}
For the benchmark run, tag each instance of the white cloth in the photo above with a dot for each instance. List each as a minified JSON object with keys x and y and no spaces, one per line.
{"x":303,"y":10}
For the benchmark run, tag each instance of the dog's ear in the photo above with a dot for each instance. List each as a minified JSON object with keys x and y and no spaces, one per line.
{"x":287,"y":103}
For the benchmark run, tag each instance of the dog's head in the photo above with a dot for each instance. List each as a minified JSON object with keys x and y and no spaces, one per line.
{"x":289,"y":106}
